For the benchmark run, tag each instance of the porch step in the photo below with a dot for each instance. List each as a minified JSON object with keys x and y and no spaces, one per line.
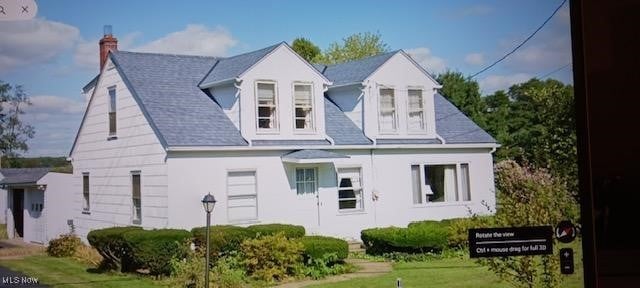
{"x":355,"y":246}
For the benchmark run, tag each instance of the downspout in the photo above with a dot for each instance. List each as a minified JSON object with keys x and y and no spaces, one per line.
{"x":440,"y":138}
{"x":493,"y":150}
{"x":365,"y":86}
{"x":236,"y":84}
{"x":374,"y":191}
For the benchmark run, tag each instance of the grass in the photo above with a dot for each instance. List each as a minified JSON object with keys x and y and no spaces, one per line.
{"x":66,"y":272}
{"x":3,"y":231}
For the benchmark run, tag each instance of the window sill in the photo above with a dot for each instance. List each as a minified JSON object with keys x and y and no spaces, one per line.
{"x":443,"y":204}
{"x":352,"y":212}
{"x":113,"y":137}
{"x":267,"y":132}
{"x":86,"y":212}
{"x":304,"y":132}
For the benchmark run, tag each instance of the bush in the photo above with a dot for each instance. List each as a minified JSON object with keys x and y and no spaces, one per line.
{"x":227,"y":271}
{"x":87,"y":255}
{"x":459,"y":229}
{"x":153,"y":249}
{"x":430,"y":236}
{"x":64,"y":246}
{"x":329,"y":264}
{"x":316,"y":247}
{"x":111,"y":245}
{"x":272,"y":257}
{"x":223,"y":238}
{"x":290,"y":231}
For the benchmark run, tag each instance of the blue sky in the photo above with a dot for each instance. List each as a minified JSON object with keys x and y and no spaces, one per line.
{"x":54,"y":55}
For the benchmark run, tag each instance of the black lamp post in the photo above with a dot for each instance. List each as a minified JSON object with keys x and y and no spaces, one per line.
{"x":208,"y":202}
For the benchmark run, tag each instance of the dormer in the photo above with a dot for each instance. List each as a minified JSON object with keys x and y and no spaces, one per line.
{"x":270,"y":94}
{"x":389,"y":96}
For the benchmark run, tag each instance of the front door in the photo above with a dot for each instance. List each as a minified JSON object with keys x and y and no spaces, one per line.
{"x":308,"y":202}
{"x":18,"y":211}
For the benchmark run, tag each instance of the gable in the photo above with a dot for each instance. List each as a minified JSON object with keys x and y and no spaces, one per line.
{"x":282,"y":60}
{"x":402,"y":66}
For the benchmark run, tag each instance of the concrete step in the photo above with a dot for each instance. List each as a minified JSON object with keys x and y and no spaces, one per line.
{"x":356,"y":247}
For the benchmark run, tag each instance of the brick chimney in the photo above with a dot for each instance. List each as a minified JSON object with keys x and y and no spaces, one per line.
{"x":107,"y":43}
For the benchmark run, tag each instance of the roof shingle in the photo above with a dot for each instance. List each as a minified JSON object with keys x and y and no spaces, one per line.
{"x":22,"y":175}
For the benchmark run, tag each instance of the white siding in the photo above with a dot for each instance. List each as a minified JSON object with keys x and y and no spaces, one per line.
{"x":227,"y":97}
{"x":110,"y":162}
{"x":58,"y":206}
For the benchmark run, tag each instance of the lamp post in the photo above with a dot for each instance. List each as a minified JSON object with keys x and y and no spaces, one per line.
{"x":208,"y":202}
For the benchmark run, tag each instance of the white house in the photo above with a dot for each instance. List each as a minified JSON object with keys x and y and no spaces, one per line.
{"x":37,"y":203}
{"x":336,"y":149}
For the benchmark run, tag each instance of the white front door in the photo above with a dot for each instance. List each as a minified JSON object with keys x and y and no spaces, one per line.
{"x":36,"y":207}
{"x":308,"y":203}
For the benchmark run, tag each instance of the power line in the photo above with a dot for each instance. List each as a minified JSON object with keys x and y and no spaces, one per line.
{"x":554,"y":71}
{"x":523,"y":42}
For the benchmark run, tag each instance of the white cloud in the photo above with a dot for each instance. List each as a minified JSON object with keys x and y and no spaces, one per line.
{"x":33,"y":41}
{"x":431,"y":63}
{"x":474,"y":59}
{"x":55,"y":120}
{"x":492,"y":83}
{"x":193,"y":40}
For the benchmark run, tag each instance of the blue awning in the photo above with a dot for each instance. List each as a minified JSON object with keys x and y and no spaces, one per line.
{"x":311,"y":156}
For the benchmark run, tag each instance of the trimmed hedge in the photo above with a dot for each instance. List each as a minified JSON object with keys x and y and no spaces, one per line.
{"x":223,"y":238}
{"x":153,"y":249}
{"x":426,"y":236}
{"x":290,"y":231}
{"x":111,"y":245}
{"x":316,"y":247}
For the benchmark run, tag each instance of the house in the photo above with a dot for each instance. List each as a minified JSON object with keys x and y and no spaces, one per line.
{"x":275,"y":139}
{"x":37,"y":203}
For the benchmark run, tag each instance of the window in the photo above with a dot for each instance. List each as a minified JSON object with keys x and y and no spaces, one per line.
{"x":440,"y":183}
{"x":303,"y":106}
{"x":85,"y":192}
{"x":242,"y":201}
{"x":112,"y":111}
{"x":306,"y":181}
{"x":387,"y":110}
{"x":267,"y":116}
{"x":349,"y":189}
{"x":416,"y":110}
{"x":136,"y":198}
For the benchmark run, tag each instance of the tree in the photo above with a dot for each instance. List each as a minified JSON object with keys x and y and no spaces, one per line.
{"x":530,"y":197}
{"x":305,"y":48}
{"x":354,"y":47}
{"x":13,"y":132}
{"x":464,"y":94}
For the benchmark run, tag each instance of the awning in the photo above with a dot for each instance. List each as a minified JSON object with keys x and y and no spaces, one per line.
{"x":311,"y":156}
{"x":16,"y":176}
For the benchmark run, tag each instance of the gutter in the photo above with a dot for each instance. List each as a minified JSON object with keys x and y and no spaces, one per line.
{"x":324,"y":147}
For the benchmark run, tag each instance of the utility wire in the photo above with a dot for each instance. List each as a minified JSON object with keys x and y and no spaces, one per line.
{"x":521,"y":44}
{"x":554,"y":71}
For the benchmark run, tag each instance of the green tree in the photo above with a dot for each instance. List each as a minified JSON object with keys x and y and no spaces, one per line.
{"x":529,"y":197}
{"x":464,"y":94}
{"x":13,"y":132}
{"x":305,"y":48}
{"x":497,"y":113}
{"x":354,"y":47}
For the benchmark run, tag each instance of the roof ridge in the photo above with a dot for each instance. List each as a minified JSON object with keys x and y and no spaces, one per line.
{"x":362,"y":59}
{"x":243,"y":54}
{"x":168,"y":54}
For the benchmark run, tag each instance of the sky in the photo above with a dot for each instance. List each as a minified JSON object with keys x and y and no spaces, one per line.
{"x":55,"y":54}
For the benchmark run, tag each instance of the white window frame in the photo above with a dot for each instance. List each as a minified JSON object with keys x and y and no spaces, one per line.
{"x":358,"y":190}
{"x":312,"y":119}
{"x":395,"y":111}
{"x":276,"y":124}
{"x":409,"y":111}
{"x":86,"y":195}
{"x":233,"y":197}
{"x":134,"y":220}
{"x":459,"y":197}
{"x":112,"y":106}
{"x":315,"y":180}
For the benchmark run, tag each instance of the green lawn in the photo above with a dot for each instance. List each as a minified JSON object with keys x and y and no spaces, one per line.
{"x":65,"y":272}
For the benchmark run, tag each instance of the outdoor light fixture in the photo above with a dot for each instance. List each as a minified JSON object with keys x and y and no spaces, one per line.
{"x":208,"y":202}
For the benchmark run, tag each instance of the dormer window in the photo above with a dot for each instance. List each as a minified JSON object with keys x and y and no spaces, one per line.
{"x":267,"y":113}
{"x":416,"y":110}
{"x":387,"y":110}
{"x":303,"y":106}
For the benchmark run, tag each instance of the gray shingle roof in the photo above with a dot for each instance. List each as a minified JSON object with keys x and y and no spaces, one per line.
{"x":232,"y":67}
{"x":22,"y":175}
{"x":313,"y":154}
{"x":166,"y":88}
{"x":91,"y":84}
{"x":355,"y":71}
{"x":455,"y":127}
{"x":340,"y":128}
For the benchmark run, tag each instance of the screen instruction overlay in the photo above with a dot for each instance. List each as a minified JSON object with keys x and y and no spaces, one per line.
{"x":510,"y":241}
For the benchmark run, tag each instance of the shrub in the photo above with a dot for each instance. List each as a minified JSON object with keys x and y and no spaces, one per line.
{"x":290,"y":231}
{"x":63,"y":246}
{"x":316,"y":247}
{"x":272,"y":257}
{"x":110,"y":244}
{"x":419,"y":238}
{"x":459,"y":229}
{"x":227,"y":271}
{"x":223,"y":238}
{"x":87,"y":255}
{"x":329,"y":264}
{"x":153,"y":249}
